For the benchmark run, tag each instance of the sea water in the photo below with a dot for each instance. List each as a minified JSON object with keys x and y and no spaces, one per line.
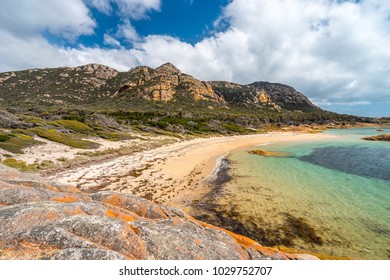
{"x":329,"y":196}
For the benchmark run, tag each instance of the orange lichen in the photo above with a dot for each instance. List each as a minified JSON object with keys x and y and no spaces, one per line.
{"x":318,"y":255}
{"x":115,"y":200}
{"x":65,"y":199}
{"x":72,"y":189}
{"x":26,"y":184}
{"x":52,"y":188}
{"x":246,"y":242}
{"x":74,"y":211}
{"x":51,"y":216}
{"x":115,"y":214}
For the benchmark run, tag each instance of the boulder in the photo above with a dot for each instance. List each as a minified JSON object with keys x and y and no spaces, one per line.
{"x":8,"y":120}
{"x":101,"y":120}
{"x":382,"y":137}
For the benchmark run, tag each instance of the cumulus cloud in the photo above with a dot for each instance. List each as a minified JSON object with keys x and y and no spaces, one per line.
{"x":23,"y":23}
{"x":127,"y":32}
{"x":333,"y":51}
{"x":336,"y":52}
{"x":110,"y":41}
{"x":135,"y":9}
{"x":28,"y":18}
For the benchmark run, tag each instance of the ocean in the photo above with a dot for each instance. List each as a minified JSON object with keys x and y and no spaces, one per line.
{"x":329,"y":196}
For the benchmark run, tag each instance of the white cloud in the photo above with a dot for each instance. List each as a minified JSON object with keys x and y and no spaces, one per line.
{"x":332,"y":50}
{"x":127,"y":31}
{"x":135,"y":9}
{"x":348,"y":104}
{"x":27,"y":18}
{"x":22,"y":24}
{"x":336,"y":52}
{"x":110,"y":41}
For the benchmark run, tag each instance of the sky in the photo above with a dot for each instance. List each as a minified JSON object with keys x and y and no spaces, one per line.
{"x":336,"y":52}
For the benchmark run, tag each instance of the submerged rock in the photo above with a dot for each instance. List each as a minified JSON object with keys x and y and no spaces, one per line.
{"x":44,"y":220}
{"x":382,"y":137}
{"x":269,"y":153}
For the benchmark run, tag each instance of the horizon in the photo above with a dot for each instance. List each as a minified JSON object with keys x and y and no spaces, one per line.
{"x":334,"y":52}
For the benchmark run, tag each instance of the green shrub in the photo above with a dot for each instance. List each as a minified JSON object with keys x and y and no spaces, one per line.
{"x":74,"y":117}
{"x":15,"y":143}
{"x":66,"y":139}
{"x":19,"y":164}
{"x":5,"y":137}
{"x":75,"y":126}
{"x":234,"y":127}
{"x":113,"y":135}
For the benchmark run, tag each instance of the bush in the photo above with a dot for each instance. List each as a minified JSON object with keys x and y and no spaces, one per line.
{"x":19,"y":164}
{"x":15,"y":143}
{"x":75,"y":126}
{"x":66,"y":139}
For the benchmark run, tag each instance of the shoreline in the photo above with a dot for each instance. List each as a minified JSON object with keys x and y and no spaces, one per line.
{"x":173,"y":174}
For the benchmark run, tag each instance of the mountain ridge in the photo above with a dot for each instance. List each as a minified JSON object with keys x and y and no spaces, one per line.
{"x":97,"y":83}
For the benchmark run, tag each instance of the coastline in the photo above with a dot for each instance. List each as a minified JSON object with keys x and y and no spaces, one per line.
{"x":173,"y":174}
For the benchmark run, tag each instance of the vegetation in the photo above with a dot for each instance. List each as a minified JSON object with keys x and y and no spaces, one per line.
{"x":76,"y":126}
{"x":19,"y":164}
{"x":66,"y":139}
{"x":16,"y":142}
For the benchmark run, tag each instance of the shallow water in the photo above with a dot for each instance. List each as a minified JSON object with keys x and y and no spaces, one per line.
{"x":330,"y":196}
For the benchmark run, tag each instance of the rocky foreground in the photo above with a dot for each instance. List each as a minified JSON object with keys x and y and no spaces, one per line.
{"x":43,"y":220}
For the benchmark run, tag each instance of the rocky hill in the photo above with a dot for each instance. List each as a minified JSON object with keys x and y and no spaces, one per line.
{"x":44,"y":220}
{"x":98,"y":85}
{"x":285,"y":96}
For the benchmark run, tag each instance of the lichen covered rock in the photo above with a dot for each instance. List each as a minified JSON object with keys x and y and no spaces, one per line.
{"x":44,"y":220}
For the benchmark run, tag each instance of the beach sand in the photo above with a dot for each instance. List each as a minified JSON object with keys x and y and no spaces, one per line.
{"x":174,"y":174}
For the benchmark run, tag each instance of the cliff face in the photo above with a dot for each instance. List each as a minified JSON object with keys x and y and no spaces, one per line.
{"x":244,"y":95}
{"x":99,"y":85}
{"x":43,"y":220}
{"x":164,"y":82}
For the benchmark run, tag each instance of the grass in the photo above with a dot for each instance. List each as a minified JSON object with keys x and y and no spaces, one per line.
{"x":19,"y":164}
{"x":75,"y":126}
{"x":66,"y":139}
{"x":234,"y":128}
{"x":113,"y":135}
{"x":15,"y":143}
{"x":126,"y":150}
{"x":4,"y":137}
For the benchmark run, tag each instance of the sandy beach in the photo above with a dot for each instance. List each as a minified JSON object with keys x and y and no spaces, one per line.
{"x":173,"y":174}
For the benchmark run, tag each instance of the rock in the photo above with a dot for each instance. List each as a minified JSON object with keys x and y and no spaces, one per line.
{"x":8,"y":120}
{"x":44,"y":220}
{"x":284,"y":96}
{"x":168,"y":68}
{"x":382,"y":137}
{"x":183,"y":240}
{"x":101,"y":120}
{"x":100,"y":71}
{"x":164,"y":83}
{"x":269,"y":153}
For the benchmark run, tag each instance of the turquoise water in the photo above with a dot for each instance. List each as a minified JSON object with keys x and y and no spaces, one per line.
{"x":330,"y":196}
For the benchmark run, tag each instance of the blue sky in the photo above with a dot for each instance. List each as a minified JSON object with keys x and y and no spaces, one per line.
{"x":335,"y":52}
